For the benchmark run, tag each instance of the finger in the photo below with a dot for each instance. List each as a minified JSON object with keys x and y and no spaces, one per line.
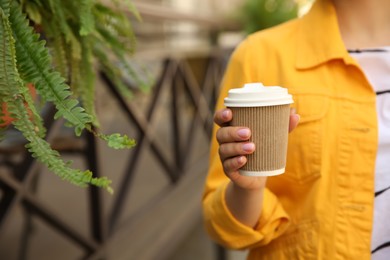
{"x":229,"y":150}
{"x":233,"y":164}
{"x":223,"y":116}
{"x":230,"y":134}
{"x":294,"y":119}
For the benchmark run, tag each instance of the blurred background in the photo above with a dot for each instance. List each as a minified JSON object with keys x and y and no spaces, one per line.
{"x":182,"y":47}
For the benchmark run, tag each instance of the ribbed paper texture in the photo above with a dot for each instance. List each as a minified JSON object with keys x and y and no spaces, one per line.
{"x":269,"y":126}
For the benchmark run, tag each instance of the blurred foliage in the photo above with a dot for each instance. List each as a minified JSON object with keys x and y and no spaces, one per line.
{"x":59,"y":47}
{"x":256,"y":15}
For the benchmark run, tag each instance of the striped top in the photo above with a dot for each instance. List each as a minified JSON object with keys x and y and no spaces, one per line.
{"x":376,"y":66}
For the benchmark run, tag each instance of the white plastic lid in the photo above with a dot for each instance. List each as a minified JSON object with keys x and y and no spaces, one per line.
{"x":257,"y":95}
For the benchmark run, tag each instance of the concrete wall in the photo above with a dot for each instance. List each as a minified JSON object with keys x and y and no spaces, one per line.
{"x":221,"y":7}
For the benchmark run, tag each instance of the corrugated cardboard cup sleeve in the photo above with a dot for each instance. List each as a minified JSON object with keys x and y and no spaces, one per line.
{"x":269,"y":127}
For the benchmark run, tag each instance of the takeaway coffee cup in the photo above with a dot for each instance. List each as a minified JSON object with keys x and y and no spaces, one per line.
{"x":266,"y":111}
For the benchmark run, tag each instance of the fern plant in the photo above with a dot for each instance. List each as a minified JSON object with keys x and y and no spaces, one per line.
{"x":76,"y":36}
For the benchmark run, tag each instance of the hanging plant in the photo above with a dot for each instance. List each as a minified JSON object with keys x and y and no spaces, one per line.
{"x":256,"y":15}
{"x":75,"y":35}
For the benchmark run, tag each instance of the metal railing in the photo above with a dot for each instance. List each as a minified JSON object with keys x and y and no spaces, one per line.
{"x":187,"y":98}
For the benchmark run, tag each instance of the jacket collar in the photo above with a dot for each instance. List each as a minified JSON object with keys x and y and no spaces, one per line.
{"x":319,"y":38}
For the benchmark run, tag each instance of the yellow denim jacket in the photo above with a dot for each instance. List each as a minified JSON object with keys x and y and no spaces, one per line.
{"x":322,"y":206}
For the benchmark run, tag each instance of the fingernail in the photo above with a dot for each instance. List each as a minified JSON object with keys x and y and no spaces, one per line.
{"x":225,"y":114}
{"x":241,"y":159}
{"x":243,"y":133}
{"x":248,"y":147}
{"x":293,"y":111}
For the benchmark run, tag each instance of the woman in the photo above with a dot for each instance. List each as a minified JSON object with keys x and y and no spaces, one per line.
{"x":333,"y":200}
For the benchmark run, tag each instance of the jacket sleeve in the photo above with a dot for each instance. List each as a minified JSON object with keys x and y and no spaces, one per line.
{"x":220,"y":223}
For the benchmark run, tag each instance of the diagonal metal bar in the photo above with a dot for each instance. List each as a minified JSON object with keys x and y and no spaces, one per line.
{"x":199,"y":101}
{"x":131,"y":241}
{"x":10,"y":197}
{"x":28,"y":226}
{"x":210,"y":85}
{"x":116,"y":210}
{"x":34,"y":205}
{"x":97,"y":224}
{"x":23,"y":172}
{"x":182,"y":77}
{"x":142,"y":125}
{"x":196,"y":116}
{"x":207,"y":85}
{"x":221,"y":65}
{"x":175,"y":115}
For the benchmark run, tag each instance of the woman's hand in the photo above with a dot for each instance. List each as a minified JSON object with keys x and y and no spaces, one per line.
{"x":244,"y":194}
{"x":234,"y":146}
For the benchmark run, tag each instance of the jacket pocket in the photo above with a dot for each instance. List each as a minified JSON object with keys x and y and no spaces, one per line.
{"x":306,"y":141}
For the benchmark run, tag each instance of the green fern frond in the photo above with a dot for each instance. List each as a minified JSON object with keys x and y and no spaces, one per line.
{"x":117,"y":32}
{"x":133,"y":10}
{"x":59,"y":51}
{"x":87,"y":84}
{"x":7,"y":55}
{"x":5,"y":5}
{"x":34,"y":63}
{"x":75,"y":78}
{"x":112,"y":72}
{"x":130,"y":7}
{"x":103,"y":13}
{"x":32,"y":11}
{"x":112,"y":40}
{"x":56,"y":7}
{"x":143,"y":84}
{"x":30,"y":107}
{"x":87,"y":23}
{"x":42,"y":151}
{"x":10,"y":90}
{"x":118,"y":141}
{"x":114,"y":30}
{"x":121,"y":52}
